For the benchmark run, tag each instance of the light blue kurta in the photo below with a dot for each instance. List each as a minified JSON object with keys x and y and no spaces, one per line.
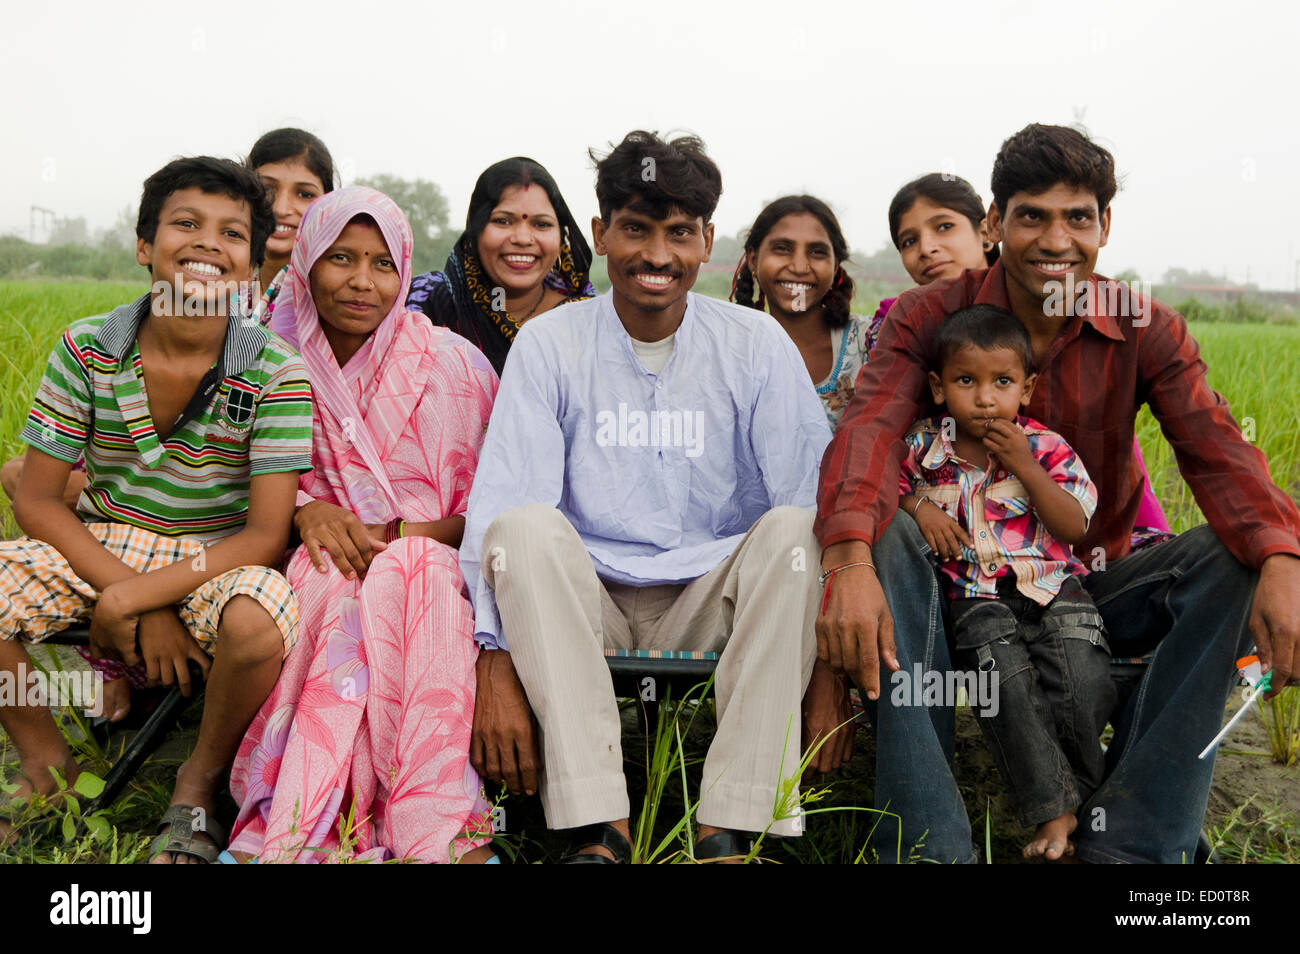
{"x":661,"y":475}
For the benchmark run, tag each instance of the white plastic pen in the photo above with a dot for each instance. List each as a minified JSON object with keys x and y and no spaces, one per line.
{"x":1251,"y":697}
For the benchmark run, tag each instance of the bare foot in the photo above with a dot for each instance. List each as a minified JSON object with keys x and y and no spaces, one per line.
{"x":192,"y":788}
{"x":479,"y":856}
{"x":1052,"y":839}
{"x":117,"y":700}
{"x":39,"y":768}
{"x":25,"y":790}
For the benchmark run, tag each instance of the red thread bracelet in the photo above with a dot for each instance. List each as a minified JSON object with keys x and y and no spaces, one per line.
{"x":829,"y":575}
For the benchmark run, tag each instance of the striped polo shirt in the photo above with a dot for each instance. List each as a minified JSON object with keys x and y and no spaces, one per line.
{"x":255,"y":419}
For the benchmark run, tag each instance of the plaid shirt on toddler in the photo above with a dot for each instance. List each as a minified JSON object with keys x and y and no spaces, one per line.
{"x":993,"y":508}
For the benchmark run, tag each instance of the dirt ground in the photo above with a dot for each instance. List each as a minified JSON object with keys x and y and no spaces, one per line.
{"x":1246,"y":781}
{"x":1246,"y":775}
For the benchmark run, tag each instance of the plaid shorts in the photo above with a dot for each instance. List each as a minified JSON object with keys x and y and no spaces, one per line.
{"x":40,"y":595}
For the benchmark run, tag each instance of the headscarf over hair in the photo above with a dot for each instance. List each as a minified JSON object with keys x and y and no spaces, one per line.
{"x":464,"y":289}
{"x":386,"y":385}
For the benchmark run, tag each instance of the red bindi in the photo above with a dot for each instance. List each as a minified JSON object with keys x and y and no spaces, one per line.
{"x":525,"y":216}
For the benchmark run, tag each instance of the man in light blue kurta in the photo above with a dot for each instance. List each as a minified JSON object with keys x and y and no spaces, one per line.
{"x":660,"y":474}
{"x":647,"y":481}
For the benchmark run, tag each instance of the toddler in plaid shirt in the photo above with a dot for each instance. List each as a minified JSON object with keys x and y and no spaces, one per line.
{"x":1000,"y":498}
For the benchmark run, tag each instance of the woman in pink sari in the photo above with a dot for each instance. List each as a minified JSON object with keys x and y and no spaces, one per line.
{"x":362,"y":749}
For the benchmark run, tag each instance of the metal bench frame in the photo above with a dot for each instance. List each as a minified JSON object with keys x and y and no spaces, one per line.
{"x":147,"y":738}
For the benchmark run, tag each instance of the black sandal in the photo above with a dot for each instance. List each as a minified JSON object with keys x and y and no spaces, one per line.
{"x":600,"y":835}
{"x":725,"y":844}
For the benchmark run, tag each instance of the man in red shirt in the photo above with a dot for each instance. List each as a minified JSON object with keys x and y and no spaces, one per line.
{"x":1102,"y":351}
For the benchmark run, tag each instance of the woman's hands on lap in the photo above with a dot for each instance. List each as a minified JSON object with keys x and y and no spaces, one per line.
{"x":329,"y":530}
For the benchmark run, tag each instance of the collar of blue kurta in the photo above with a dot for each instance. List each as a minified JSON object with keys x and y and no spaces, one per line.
{"x":683,"y":336}
{"x":244,"y":341}
{"x":245,"y":338}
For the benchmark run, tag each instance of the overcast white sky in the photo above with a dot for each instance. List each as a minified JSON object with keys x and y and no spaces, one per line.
{"x":1196,"y":100}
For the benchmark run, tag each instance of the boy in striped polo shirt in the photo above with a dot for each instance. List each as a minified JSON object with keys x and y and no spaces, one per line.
{"x":194,"y":424}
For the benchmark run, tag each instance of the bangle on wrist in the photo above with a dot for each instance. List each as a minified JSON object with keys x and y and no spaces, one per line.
{"x":393,"y":529}
{"x":826,"y":576}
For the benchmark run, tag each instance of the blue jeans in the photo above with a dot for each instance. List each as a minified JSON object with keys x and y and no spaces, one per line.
{"x":1186,"y":599}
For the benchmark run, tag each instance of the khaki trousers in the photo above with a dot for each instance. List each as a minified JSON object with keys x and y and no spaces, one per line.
{"x":757,"y":607}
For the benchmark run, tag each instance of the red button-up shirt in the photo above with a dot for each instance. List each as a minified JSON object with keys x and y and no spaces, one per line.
{"x":1098,"y":371}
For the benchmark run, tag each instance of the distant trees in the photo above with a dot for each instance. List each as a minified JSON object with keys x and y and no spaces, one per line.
{"x":727,"y":250}
{"x":1181,"y":276}
{"x":70,"y":232}
{"x":72,"y":252}
{"x":19,"y":257}
{"x":881,"y":265}
{"x":122,"y":233}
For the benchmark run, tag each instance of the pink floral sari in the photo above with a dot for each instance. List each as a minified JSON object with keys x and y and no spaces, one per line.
{"x":361,"y":751}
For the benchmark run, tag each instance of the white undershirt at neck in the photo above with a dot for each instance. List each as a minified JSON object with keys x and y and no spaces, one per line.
{"x":654,"y":354}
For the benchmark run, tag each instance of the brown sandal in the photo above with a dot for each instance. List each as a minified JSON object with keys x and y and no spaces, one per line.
{"x":182,"y":838}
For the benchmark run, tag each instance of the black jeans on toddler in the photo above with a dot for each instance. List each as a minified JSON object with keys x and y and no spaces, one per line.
{"x":1054,"y":692}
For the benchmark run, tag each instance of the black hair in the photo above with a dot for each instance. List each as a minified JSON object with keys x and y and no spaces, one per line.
{"x":519,"y":171}
{"x":835,"y":306}
{"x":653,"y":177}
{"x":1039,"y":157}
{"x":984,"y":327}
{"x":946,"y":191}
{"x":215,"y":177}
{"x":279,"y":145}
